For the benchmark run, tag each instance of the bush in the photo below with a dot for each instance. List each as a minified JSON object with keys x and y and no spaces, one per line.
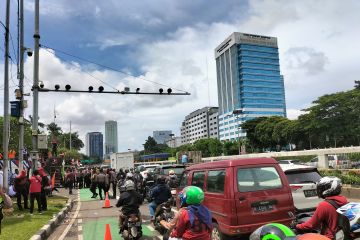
{"x":350,"y":177}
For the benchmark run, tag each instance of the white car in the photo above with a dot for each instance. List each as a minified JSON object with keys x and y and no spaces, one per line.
{"x":145,"y":169}
{"x":302,"y":180}
{"x":290,"y":162}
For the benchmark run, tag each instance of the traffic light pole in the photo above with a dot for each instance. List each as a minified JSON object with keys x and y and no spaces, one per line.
{"x":6,"y":126}
{"x":21,"y":85}
{"x":35,"y":118}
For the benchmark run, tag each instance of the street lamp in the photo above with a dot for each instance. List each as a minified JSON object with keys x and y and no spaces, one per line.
{"x":238,"y":112}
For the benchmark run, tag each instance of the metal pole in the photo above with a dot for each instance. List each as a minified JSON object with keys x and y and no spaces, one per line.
{"x":21,"y":85}
{"x":35,"y":154}
{"x":6,"y":126}
{"x":70,"y":135}
{"x":238,"y":130}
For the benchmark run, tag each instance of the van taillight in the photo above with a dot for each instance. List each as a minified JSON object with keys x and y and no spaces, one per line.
{"x":294,"y":188}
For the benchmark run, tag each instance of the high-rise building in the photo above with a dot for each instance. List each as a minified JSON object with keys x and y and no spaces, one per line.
{"x":202,"y":123}
{"x":162,"y":136}
{"x":248,"y":80}
{"x":111,"y":137}
{"x":94,"y":144}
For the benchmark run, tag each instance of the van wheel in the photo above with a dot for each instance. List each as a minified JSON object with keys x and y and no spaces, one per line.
{"x":216,"y":234}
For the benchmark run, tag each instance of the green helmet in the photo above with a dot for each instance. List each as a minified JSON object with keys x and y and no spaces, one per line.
{"x":193,"y":195}
{"x":273,"y":231}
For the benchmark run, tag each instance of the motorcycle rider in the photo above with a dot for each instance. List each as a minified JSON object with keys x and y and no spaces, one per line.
{"x":172,"y":179}
{"x":194,"y":219}
{"x":138,"y":178}
{"x":325,"y":215}
{"x":160,"y":194}
{"x":130,"y":200}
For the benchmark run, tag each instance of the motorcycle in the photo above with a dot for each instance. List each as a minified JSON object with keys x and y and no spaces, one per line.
{"x":147,"y":192}
{"x":131,"y":227}
{"x":173,"y":194}
{"x":163,"y":212}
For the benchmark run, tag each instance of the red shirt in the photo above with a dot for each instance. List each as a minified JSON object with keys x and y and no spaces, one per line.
{"x":35,"y":184}
{"x":183,"y":229}
{"x":325,"y":217}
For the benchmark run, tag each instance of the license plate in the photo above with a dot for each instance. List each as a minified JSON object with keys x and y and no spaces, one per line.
{"x":263,"y":208}
{"x":310,"y":193}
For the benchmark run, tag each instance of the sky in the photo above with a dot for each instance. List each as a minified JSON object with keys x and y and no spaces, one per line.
{"x":172,"y":43}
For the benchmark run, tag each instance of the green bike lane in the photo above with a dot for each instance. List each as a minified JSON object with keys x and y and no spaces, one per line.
{"x":92,"y":219}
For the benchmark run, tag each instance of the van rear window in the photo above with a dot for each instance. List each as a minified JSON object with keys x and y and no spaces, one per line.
{"x":257,"y":179}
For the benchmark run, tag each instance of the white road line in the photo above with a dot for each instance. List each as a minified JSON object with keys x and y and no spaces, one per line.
{"x":72,"y":221}
{"x":150,"y":227}
{"x":80,"y":237}
{"x":80,"y":228}
{"x":79,"y":220}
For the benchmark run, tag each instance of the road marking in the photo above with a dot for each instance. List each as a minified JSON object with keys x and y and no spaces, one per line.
{"x":150,"y":227}
{"x":80,"y":237}
{"x":80,"y":228}
{"x":79,"y":220}
{"x":72,"y":220}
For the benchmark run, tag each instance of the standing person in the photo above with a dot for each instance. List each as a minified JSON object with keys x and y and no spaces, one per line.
{"x":44,"y":184}
{"x":93,"y":185}
{"x":1,"y":177}
{"x":101,"y":181}
{"x":160,"y":193}
{"x":87,"y":178}
{"x":69,"y":179}
{"x":113,"y":182}
{"x":120,"y":175}
{"x":107,"y":181}
{"x":35,"y":191}
{"x":21,"y":188}
{"x":81,"y":179}
{"x":13,"y":177}
{"x":193,"y":221}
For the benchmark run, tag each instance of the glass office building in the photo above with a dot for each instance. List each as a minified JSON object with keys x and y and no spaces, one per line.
{"x":94,"y":144}
{"x":111,"y":137}
{"x":249,"y":81}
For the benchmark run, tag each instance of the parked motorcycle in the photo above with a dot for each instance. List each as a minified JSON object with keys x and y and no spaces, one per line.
{"x":132,"y":227}
{"x":163,"y":212}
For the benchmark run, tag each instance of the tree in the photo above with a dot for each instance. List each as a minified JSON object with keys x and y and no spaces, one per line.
{"x":76,"y":142}
{"x":150,"y":146}
{"x":208,"y":146}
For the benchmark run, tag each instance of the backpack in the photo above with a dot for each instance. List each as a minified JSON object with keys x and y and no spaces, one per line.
{"x":343,"y":223}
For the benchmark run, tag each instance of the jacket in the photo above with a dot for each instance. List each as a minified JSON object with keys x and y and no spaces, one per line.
{"x":161,"y":193}
{"x":186,"y":231}
{"x":130,"y":202}
{"x":101,"y":178}
{"x":35,"y":184}
{"x":325,"y":217}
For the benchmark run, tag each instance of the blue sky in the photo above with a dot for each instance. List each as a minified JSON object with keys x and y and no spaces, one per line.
{"x":173,"y":42}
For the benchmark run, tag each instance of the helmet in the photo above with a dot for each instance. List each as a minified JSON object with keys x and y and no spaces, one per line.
{"x":129,"y":175}
{"x":160,"y":180}
{"x":352,"y":212}
{"x":129,"y":185}
{"x":171,"y":172}
{"x":312,"y":236}
{"x":273,"y":231}
{"x":328,"y":186}
{"x":191,"y":195}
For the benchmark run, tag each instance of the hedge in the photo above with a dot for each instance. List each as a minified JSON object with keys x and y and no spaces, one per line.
{"x":351,"y":177}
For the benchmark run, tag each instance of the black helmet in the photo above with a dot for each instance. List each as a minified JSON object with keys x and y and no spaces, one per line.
{"x":126,"y":170}
{"x":328,"y":186}
{"x":160,"y":180}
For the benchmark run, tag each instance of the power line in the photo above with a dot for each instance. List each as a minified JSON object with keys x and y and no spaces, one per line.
{"x":111,"y":68}
{"x":87,"y":73}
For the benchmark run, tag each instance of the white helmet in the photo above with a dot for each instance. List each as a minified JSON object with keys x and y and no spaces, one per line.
{"x":129,"y":185}
{"x":328,"y":186}
{"x":129,"y":175}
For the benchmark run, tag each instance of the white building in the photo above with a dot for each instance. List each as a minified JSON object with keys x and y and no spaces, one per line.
{"x":202,"y":123}
{"x":174,"y":142}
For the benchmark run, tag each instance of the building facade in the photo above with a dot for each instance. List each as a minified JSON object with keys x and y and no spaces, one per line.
{"x":202,"y":123}
{"x":173,"y":142}
{"x":162,"y":136}
{"x":94,"y":144}
{"x":111,"y":137}
{"x":249,"y":81}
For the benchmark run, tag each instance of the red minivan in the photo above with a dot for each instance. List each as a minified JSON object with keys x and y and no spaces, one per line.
{"x":242,"y":194}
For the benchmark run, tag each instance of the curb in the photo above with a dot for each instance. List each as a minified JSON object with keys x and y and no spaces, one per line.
{"x":46,"y":230}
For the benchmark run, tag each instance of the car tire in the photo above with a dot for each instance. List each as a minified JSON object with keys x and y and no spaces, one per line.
{"x":216,"y":234}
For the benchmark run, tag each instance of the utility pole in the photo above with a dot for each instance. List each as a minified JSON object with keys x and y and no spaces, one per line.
{"x":21,"y":85}
{"x":6,"y":126}
{"x":35,"y":153}
{"x":70,"y":135}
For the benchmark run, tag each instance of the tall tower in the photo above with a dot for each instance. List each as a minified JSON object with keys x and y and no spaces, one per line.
{"x":249,"y":81}
{"x":94,"y":145}
{"x":111,"y":137}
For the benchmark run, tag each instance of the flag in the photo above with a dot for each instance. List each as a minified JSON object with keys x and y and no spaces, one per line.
{"x":53,"y":181}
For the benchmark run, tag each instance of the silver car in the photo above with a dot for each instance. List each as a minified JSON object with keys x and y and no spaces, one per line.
{"x":302,"y":180}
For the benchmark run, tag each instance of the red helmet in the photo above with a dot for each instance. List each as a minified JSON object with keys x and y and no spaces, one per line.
{"x":312,"y":236}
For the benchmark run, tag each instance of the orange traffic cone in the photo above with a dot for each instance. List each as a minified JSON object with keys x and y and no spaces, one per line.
{"x":107,"y":201}
{"x":107,"y":232}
